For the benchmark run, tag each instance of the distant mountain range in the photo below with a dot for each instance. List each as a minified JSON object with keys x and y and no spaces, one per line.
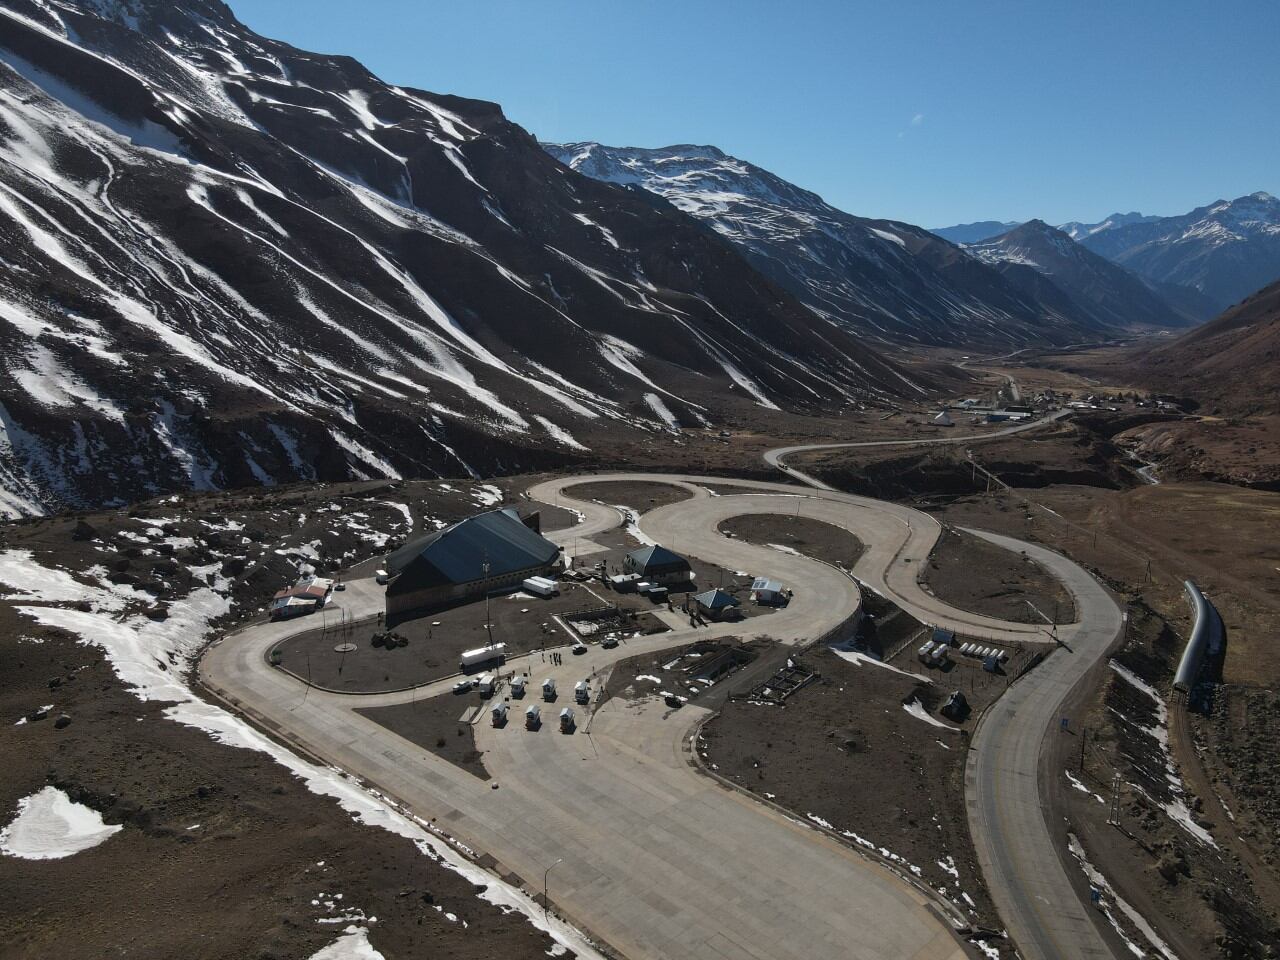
{"x":1038,"y":258}
{"x":975,"y":232}
{"x":1226,"y":251}
{"x":882,"y":279}
{"x":1201,"y":262}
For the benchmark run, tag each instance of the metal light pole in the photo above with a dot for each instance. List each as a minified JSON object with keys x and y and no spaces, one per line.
{"x":484,"y":569}
{"x":545,"y":901}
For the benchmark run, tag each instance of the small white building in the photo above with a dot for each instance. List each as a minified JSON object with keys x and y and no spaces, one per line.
{"x":769,"y":593}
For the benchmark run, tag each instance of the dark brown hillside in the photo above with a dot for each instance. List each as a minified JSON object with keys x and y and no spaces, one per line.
{"x":1231,"y":364}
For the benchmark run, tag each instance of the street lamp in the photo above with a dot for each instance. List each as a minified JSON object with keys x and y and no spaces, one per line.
{"x":484,"y":569}
{"x":545,"y":901}
{"x":1053,"y":635}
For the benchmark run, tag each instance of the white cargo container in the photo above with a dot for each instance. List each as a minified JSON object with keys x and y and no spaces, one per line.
{"x":496,"y":653}
{"x":548,"y":689}
{"x":566,"y":720}
{"x":532,"y":717}
{"x":540,"y":586}
{"x":499,"y":712}
{"x":582,"y":692}
{"x":518,"y":685}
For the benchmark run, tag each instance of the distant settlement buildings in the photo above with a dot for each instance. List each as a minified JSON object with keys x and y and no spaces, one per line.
{"x":483,"y":554}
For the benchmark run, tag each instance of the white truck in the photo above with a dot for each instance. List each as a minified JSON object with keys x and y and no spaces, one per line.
{"x":495,"y":653}
{"x":488,"y":683}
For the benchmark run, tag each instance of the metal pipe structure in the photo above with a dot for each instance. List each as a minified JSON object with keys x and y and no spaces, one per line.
{"x":1206,"y":637}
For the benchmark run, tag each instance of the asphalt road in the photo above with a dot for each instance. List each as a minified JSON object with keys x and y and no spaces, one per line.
{"x":1023,"y":869}
{"x":655,"y":859}
{"x":777,"y":457}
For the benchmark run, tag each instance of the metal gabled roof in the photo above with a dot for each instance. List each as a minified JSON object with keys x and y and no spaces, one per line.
{"x":655,"y":556}
{"x":458,"y":553}
{"x":717,"y":599}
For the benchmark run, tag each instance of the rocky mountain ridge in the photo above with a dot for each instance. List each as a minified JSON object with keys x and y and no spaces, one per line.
{"x":885,"y":279}
{"x":229,"y":262}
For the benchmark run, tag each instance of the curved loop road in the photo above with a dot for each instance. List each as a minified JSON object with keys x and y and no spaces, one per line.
{"x":658,"y":860}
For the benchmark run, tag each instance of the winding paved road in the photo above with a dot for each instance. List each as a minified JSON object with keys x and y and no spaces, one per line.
{"x":659,"y":861}
{"x":777,"y":456}
{"x":1023,"y":868}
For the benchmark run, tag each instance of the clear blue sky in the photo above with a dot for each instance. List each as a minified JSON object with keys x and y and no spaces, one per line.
{"x":929,"y":112}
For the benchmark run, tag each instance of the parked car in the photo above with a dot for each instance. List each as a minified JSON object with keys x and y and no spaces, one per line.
{"x":579,"y":648}
{"x":462,"y":686}
{"x":609,"y":642}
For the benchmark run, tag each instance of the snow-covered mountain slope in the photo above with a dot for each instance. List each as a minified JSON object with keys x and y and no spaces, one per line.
{"x":1109,"y":294}
{"x":1225,"y":251}
{"x":884,"y":279}
{"x":1078,"y":231}
{"x":975,"y":232}
{"x":226,"y":261}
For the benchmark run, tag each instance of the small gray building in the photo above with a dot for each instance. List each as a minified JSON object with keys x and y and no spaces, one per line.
{"x":718,"y":605}
{"x":658,"y":565}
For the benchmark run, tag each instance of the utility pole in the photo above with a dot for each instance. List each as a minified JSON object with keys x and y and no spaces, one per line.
{"x":1084,"y":738}
{"x":484,"y":568}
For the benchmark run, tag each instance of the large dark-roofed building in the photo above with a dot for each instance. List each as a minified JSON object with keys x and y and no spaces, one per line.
{"x":448,"y":566}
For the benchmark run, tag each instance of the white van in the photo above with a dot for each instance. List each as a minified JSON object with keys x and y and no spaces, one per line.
{"x":487,"y":685}
{"x":582,"y":692}
{"x":548,"y":689}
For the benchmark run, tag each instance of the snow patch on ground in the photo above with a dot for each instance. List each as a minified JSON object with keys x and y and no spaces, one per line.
{"x":1100,"y":883}
{"x":631,"y":523}
{"x":662,"y":410}
{"x":916,"y":709}
{"x":352,"y":945}
{"x":1176,"y":809}
{"x":50,"y":825}
{"x":858,"y":658}
{"x":151,"y":658}
{"x":1071,"y":778}
{"x":486,"y":494}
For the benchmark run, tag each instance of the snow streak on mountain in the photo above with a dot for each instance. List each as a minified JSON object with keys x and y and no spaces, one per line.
{"x":1034,"y":254}
{"x":884,"y":279}
{"x":1224,"y":251}
{"x":227,"y":261}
